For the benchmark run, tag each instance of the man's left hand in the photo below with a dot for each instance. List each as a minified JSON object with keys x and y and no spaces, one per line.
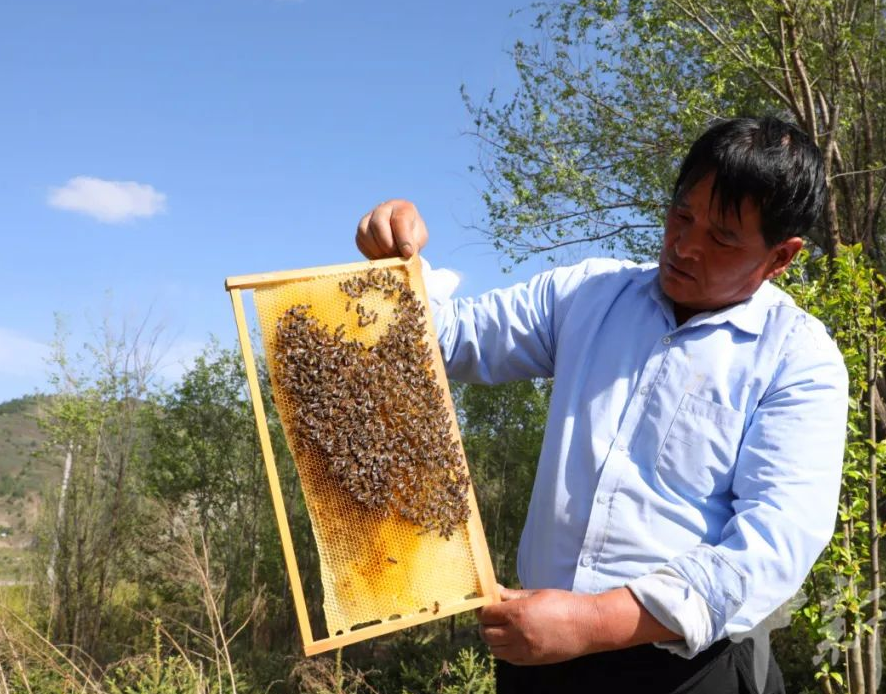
{"x":535,"y":627}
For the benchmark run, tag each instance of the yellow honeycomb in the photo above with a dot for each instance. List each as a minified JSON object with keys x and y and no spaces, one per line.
{"x":374,"y":567}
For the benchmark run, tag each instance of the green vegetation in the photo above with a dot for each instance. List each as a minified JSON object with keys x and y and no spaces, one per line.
{"x":157,"y":565}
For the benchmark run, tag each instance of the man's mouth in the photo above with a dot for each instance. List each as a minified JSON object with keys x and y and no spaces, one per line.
{"x":679,"y":272}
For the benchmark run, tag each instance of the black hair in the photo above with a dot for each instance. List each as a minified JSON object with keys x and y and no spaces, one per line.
{"x":772,"y":162}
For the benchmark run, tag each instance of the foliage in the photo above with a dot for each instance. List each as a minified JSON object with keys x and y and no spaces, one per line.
{"x":94,"y":422}
{"x":324,"y":675}
{"x":843,"y":613}
{"x":471,"y":673}
{"x":614,"y":90}
{"x":205,"y":456}
{"x":502,"y":429}
{"x":22,"y":405}
{"x":170,"y":675}
{"x":206,"y":461}
{"x":426,"y":659}
{"x":31,"y":663}
{"x":468,"y":673}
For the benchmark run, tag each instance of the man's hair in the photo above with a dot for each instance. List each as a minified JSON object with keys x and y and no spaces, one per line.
{"x":773,"y":163}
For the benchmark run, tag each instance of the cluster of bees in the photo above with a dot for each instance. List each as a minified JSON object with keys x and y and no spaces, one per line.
{"x":376,"y":414}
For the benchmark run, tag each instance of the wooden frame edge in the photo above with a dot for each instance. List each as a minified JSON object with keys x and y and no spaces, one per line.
{"x":476,"y":535}
{"x":391,"y":626}
{"x":266,"y":278}
{"x":264,"y":435}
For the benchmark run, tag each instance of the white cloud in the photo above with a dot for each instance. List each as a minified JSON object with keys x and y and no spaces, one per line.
{"x":21,"y":356}
{"x":111,"y":202}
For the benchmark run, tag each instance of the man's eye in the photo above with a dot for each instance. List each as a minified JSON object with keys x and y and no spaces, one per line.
{"x":718,"y":241}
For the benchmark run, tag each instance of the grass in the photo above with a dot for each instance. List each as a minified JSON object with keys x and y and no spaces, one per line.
{"x":14,"y":565}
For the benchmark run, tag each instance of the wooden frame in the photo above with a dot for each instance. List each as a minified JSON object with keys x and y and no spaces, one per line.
{"x":476,"y":537}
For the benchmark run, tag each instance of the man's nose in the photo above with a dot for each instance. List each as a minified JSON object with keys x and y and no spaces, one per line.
{"x":687,"y":245}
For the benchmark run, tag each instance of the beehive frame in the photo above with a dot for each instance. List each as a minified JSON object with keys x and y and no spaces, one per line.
{"x":486,"y":592}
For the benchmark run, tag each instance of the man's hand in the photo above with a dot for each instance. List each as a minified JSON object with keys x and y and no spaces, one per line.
{"x":536,"y":627}
{"x":394,"y":228}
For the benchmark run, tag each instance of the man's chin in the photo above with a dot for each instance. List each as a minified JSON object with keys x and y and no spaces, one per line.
{"x":680,"y":293}
{"x":677,"y":288}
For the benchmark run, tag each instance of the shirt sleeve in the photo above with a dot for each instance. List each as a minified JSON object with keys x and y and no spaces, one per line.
{"x":669,"y":598}
{"x":511,"y":334}
{"x":786,"y":489}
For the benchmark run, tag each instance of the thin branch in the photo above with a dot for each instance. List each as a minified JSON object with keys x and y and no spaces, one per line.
{"x":737,"y":53}
{"x":857,"y":173}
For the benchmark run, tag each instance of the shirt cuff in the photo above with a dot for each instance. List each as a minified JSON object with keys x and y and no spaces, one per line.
{"x":669,"y":598}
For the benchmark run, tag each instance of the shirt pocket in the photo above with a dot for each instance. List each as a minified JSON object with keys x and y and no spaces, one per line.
{"x":697,"y":456}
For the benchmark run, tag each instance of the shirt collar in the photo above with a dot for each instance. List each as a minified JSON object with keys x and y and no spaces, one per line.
{"x":748,"y":316}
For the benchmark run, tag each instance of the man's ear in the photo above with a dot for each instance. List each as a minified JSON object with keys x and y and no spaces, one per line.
{"x":784,"y":254}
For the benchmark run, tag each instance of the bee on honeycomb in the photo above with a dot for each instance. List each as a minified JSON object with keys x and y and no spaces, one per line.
{"x":376,"y":413}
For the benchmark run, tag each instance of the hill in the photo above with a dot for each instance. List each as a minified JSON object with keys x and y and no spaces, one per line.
{"x":24,"y":476}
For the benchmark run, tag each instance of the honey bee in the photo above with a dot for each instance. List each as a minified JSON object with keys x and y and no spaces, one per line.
{"x":376,"y":414}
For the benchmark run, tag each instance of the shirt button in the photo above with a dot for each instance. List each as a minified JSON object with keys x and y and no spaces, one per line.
{"x":666,"y":339}
{"x":644,"y":390}
{"x":585,"y":560}
{"x":602,"y":498}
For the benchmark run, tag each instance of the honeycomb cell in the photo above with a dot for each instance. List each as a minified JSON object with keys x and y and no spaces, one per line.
{"x":383,"y":554}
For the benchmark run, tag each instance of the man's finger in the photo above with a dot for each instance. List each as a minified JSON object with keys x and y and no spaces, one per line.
{"x":362,"y":247}
{"x":365,"y":242}
{"x":496,"y":614}
{"x":501,"y":652}
{"x":494,"y":635}
{"x":403,"y":219}
{"x":380,"y":230}
{"x":511,"y":594}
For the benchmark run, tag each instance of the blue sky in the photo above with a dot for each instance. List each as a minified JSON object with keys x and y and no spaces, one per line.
{"x":150,"y":149}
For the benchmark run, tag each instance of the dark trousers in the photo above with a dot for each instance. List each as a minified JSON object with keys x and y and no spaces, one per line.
{"x":725,"y":668}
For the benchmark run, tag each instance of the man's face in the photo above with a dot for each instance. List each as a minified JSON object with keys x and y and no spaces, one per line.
{"x":710,"y":261}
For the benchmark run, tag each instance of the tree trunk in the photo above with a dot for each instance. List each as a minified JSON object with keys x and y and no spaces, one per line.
{"x":60,"y":517}
{"x":855,"y":664}
{"x":853,"y":624}
{"x":872,"y":641}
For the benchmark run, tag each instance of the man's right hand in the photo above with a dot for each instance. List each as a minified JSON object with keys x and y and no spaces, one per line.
{"x":393,"y":228}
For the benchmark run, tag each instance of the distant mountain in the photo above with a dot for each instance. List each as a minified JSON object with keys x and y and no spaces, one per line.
{"x":24,"y":476}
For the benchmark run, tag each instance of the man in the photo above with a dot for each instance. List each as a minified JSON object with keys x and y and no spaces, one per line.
{"x":690,"y":468}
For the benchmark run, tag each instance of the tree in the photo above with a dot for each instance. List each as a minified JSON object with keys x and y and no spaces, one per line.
{"x":502,"y":429}
{"x":613,"y":92}
{"x":94,"y":422}
{"x":206,"y":459}
{"x":204,"y":454}
{"x":843,"y":611}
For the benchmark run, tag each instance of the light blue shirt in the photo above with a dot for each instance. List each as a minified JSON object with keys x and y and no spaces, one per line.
{"x":710,"y":451}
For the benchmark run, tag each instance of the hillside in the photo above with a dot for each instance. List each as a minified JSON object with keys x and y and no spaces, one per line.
{"x":24,"y":476}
